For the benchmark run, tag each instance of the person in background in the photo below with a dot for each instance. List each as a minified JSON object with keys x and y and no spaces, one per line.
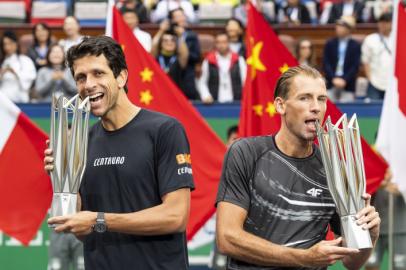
{"x":235,"y":32}
{"x":139,"y":8}
{"x":341,"y":61}
{"x":376,"y":58}
{"x":71,"y":27}
{"x":131,"y":19}
{"x":42,"y":39}
{"x":294,"y":13}
{"x":223,"y":73}
{"x":232,"y":135}
{"x":305,"y":52}
{"x":17,"y":71}
{"x":54,"y":78}
{"x":171,"y":54}
{"x":353,"y":8}
{"x":165,"y":7}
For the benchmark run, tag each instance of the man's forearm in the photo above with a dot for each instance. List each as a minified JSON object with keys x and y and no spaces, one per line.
{"x":156,"y":220}
{"x":250,"y":248}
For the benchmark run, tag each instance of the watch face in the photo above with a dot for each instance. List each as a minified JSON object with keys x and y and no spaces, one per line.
{"x":100,"y":227}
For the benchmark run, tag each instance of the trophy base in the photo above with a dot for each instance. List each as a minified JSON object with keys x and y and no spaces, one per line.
{"x":354,"y":235}
{"x":63,"y":204}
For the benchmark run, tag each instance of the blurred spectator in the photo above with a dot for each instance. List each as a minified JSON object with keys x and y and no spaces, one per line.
{"x":240,"y":11}
{"x":71,"y":27}
{"x":55,"y":78}
{"x":376,"y":57}
{"x":305,"y":52}
{"x":139,"y":9}
{"x":223,"y":73}
{"x":131,"y":19}
{"x":179,"y":24}
{"x":294,"y":13}
{"x":42,"y":39}
{"x":172,"y":53}
{"x":165,"y":7}
{"x":235,"y":32}
{"x":17,"y":71}
{"x":375,"y":8}
{"x":353,"y":8}
{"x":341,"y":61}
{"x":232,"y":135}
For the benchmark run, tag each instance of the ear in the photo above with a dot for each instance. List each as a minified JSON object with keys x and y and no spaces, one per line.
{"x":279,"y":105}
{"x":122,"y":78}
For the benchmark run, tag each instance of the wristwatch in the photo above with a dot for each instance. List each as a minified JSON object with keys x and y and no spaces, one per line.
{"x":100,"y":226}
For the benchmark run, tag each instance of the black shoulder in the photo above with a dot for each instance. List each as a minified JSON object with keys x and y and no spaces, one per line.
{"x":252,"y":146}
{"x":161,"y":121}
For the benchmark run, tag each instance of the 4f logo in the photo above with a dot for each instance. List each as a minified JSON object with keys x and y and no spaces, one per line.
{"x":314,"y":192}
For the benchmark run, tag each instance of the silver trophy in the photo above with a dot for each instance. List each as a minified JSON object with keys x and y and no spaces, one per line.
{"x":69,"y":151}
{"x":341,"y":152}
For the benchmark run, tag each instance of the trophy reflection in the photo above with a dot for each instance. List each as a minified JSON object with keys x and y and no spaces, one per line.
{"x":341,"y":152}
{"x":69,"y":151}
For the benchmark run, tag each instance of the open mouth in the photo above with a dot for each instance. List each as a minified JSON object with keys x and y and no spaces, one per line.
{"x":96,"y":97}
{"x":311,"y":123}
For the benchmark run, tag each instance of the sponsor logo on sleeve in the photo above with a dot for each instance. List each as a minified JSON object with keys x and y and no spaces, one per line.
{"x":184,"y":159}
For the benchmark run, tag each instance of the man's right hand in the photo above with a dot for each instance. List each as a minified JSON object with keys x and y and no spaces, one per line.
{"x":49,"y":159}
{"x":327,"y":253}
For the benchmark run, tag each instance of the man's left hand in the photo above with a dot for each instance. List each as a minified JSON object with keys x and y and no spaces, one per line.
{"x":79,"y":224}
{"x":368,"y":218}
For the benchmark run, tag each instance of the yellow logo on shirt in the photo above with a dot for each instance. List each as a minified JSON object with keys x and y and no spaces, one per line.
{"x":183,"y":158}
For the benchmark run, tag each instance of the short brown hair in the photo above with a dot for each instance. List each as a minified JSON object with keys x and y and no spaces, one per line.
{"x":285,"y":80}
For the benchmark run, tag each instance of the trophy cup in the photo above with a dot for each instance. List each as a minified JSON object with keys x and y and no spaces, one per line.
{"x":341,"y":152}
{"x":69,"y":151}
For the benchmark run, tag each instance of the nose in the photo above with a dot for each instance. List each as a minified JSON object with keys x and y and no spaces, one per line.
{"x":90,"y":82}
{"x":315,"y":106}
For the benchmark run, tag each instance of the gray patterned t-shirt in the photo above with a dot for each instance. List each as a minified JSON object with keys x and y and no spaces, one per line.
{"x":286,"y":198}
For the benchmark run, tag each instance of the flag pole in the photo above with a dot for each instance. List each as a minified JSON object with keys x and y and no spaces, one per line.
{"x":109,"y":18}
{"x":390,"y":232}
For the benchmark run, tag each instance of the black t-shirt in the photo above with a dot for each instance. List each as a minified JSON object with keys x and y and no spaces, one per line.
{"x":287,"y":199}
{"x":129,"y":170}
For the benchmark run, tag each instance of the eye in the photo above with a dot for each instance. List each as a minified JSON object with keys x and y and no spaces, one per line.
{"x":98,"y":73}
{"x":80,"y":78}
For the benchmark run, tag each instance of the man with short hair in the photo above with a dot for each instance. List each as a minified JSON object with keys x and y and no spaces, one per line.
{"x":223,"y":73}
{"x":130,"y":17}
{"x":341,"y":61}
{"x":273,"y":204}
{"x":71,"y":28}
{"x":135,"y":192}
{"x":376,"y":57}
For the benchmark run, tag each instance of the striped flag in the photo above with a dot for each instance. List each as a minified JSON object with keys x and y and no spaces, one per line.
{"x":391,"y":141}
{"x":25,"y":188}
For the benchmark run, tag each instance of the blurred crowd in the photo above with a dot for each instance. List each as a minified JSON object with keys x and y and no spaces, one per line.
{"x":33,"y":66}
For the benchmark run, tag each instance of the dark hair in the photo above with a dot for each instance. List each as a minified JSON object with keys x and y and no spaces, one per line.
{"x":233,"y":19}
{"x":221,"y":33}
{"x":10,"y":35}
{"x":34,"y":29}
{"x":96,"y":46}
{"x":385,"y":17}
{"x":297,"y":50}
{"x":170,"y":14}
{"x":167,"y":32}
{"x":285,"y":80}
{"x":125,"y":10}
{"x":232,"y":129}
{"x":50,"y":48}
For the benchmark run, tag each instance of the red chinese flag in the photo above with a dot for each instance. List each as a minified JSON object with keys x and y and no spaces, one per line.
{"x":267,"y":59}
{"x":25,"y":188}
{"x":151,"y":88}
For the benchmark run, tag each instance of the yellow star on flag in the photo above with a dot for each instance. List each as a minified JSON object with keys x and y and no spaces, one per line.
{"x":254,"y":61}
{"x":257,"y":109}
{"x":284,"y":68}
{"x":146,"y":97}
{"x":270,"y":109}
{"x":146,"y":75}
{"x":122,"y":47}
